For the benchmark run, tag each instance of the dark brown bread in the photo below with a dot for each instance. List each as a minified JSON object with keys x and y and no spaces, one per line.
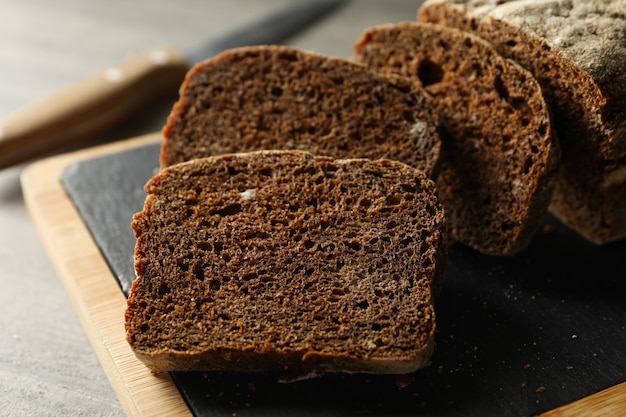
{"x":274,"y":97}
{"x":576,"y":50}
{"x":279,"y":259}
{"x":499,"y":154}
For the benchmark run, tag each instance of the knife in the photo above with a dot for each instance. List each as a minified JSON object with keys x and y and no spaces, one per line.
{"x":102,"y":100}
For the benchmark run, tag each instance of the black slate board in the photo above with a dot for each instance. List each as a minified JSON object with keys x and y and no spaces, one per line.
{"x":516,"y":336}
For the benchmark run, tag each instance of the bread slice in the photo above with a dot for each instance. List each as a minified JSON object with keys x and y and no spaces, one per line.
{"x":576,"y":50}
{"x":276,"y":97}
{"x":280,"y":259}
{"x":499,"y":154}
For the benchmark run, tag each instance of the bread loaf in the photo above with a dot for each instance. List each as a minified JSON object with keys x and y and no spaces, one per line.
{"x":576,"y":49}
{"x":279,"y":259}
{"x":276,"y":97}
{"x":499,"y":155}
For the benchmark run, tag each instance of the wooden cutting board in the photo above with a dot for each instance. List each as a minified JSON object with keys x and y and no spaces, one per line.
{"x":569,"y":382}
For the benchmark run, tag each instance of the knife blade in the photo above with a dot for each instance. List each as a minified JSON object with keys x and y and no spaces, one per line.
{"x":103,"y":100}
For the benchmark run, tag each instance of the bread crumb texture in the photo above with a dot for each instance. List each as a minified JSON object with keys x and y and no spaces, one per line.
{"x":273,"y":97}
{"x":499,"y":155}
{"x":275,"y":259}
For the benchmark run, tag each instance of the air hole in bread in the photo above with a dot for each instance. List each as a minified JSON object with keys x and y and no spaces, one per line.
{"x":376,"y":327}
{"x":501,"y":89}
{"x":276,"y":91}
{"x":215,"y":284}
{"x":507,"y":226}
{"x":363,"y":305}
{"x":350,"y":234}
{"x":473,"y":23}
{"x":354,"y":245}
{"x":287,"y":56}
{"x":249,"y":276}
{"x":520,"y":104}
{"x":277,"y":222}
{"x":339,"y":291}
{"x":266,"y":172}
{"x":478,"y":69}
{"x":445,"y":45}
{"x":374,"y":173}
{"x":393,"y":200}
{"x":218,"y":247}
{"x":229,"y":210}
{"x":528,"y":165}
{"x":355,"y":136}
{"x":429,"y":72}
{"x":199,"y":273}
{"x":164,"y":289}
{"x":204,"y":246}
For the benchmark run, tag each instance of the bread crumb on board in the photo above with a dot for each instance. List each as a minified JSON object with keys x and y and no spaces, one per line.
{"x":404,"y":381}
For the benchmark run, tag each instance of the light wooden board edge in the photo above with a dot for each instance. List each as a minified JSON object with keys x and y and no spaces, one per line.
{"x":610,"y":402}
{"x":100,"y":303}
{"x":98,"y":300}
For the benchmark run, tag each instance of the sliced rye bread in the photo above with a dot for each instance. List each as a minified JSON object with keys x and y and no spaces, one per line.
{"x":281,"y":259}
{"x":499,"y":155}
{"x":276,"y":97}
{"x":576,"y":50}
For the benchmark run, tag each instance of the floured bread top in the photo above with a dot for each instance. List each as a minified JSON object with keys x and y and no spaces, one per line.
{"x":592,"y":33}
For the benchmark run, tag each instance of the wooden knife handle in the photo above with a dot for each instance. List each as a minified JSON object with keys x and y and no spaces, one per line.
{"x":89,"y":106}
